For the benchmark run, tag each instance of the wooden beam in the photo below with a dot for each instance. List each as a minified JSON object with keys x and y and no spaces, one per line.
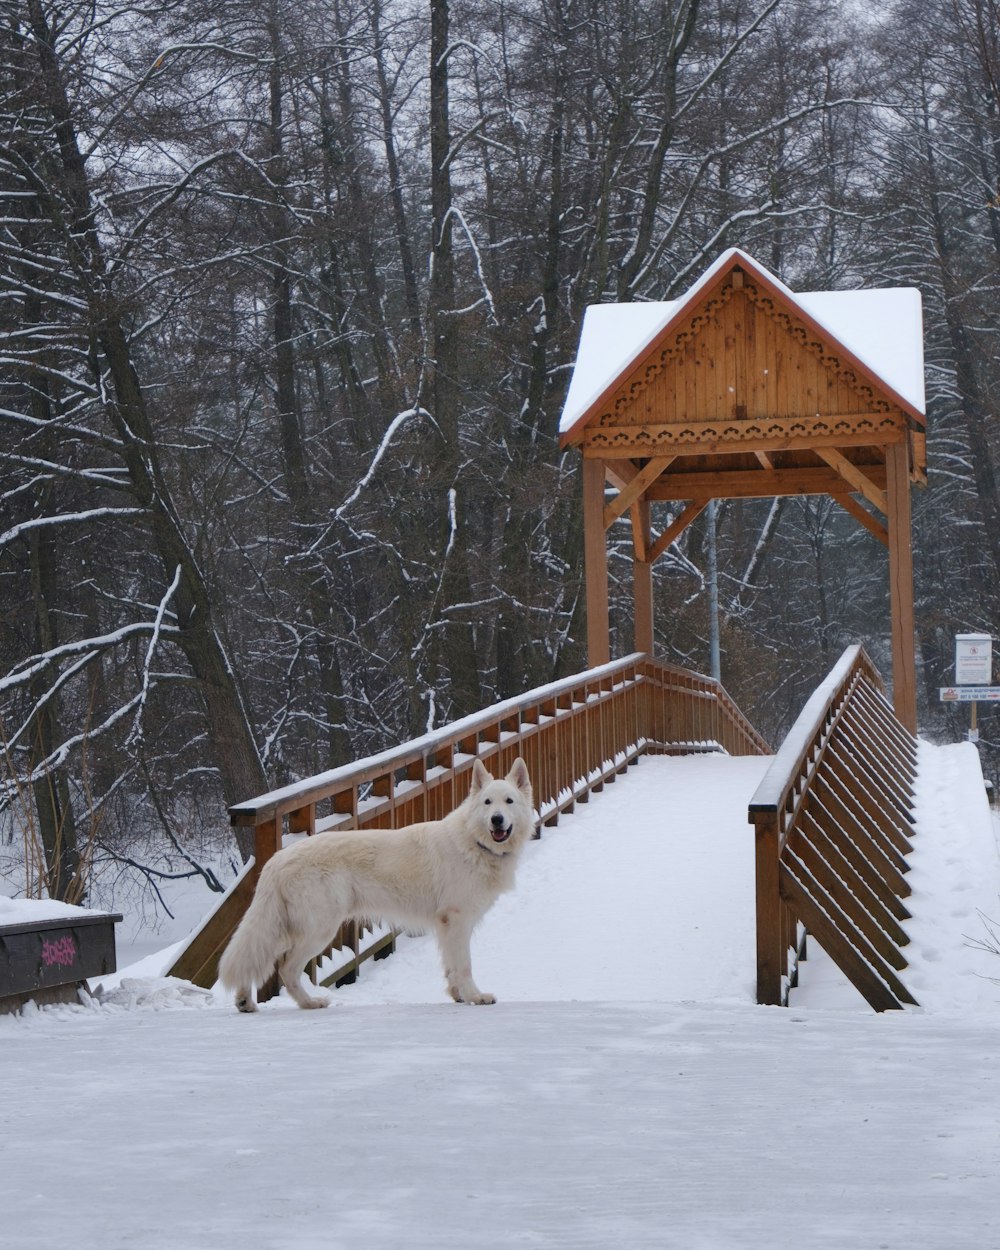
{"x":630,"y":493}
{"x":753,"y":484}
{"x":852,"y":474}
{"x":595,"y":559}
{"x":676,"y":528}
{"x":872,"y":524}
{"x":619,"y":473}
{"x":640,"y":530}
{"x":765,"y":460}
{"x":904,"y":679}
{"x":642,"y":578}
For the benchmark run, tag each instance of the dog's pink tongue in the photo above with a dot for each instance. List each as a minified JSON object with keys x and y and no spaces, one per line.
{"x":501,"y":835}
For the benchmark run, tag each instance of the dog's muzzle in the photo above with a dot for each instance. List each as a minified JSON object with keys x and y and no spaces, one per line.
{"x":497,"y":830}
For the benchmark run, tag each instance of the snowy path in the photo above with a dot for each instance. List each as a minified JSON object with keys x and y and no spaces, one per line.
{"x":646,"y":892}
{"x":559,"y":1125}
{"x":625,"y":1091}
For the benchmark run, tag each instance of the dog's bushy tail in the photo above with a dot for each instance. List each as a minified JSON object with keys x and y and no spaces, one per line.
{"x":260,"y":938}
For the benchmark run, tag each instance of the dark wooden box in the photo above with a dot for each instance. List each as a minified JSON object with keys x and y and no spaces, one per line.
{"x":46,"y":960}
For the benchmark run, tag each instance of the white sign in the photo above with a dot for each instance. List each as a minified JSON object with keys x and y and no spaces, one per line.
{"x":970,"y":694}
{"x":973,"y":659}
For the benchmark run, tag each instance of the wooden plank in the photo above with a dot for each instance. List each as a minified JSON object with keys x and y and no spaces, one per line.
{"x":807,"y":846}
{"x":893,"y":780}
{"x":630,"y":493}
{"x":851,"y":774}
{"x":857,"y":843}
{"x":852,"y":474}
{"x":675,"y":529}
{"x":848,"y":949}
{"x":347,"y":972}
{"x":199,"y":961}
{"x":898,"y":739}
{"x":849,"y":886}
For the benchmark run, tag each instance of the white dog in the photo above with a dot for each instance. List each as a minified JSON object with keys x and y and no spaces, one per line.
{"x":442,"y":874}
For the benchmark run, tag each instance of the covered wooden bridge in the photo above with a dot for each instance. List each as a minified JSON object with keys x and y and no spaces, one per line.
{"x":739,"y":389}
{"x":744,"y":389}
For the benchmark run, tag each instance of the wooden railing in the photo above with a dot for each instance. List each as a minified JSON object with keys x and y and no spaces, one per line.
{"x":575,"y":735}
{"x":833,"y":821}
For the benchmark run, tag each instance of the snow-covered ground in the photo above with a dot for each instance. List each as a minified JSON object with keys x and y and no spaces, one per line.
{"x":624,"y":1091}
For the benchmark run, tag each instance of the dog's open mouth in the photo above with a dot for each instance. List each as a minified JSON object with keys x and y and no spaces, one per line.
{"x":501,"y":835}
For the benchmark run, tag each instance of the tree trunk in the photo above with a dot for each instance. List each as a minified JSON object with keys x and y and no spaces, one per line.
{"x":232,"y":742}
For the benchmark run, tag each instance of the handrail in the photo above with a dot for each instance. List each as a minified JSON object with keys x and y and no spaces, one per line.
{"x":833,"y":824}
{"x":734,"y":728}
{"x":575,"y":734}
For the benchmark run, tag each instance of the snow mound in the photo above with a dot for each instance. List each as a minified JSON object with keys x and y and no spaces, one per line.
{"x":153,"y":994}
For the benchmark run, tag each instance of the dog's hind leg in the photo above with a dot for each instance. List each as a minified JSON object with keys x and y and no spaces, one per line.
{"x":290,"y":969}
{"x":245,"y":1000}
{"x":454,"y":934}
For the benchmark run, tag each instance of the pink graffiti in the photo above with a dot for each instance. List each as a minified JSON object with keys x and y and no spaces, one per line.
{"x":62,"y":952}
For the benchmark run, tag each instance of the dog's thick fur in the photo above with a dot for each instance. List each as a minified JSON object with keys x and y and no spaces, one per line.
{"x":442,"y":874}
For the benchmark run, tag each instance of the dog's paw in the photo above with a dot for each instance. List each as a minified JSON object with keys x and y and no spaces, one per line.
{"x":468,"y":995}
{"x":311,"y":1004}
{"x":245,"y":1002}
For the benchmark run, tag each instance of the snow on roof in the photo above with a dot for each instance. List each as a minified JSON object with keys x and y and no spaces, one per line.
{"x":30,"y":910}
{"x":881,"y":326}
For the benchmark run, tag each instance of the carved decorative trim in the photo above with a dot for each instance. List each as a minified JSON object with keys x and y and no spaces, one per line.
{"x":669,"y":352}
{"x":776,"y":433}
{"x":801,"y":334}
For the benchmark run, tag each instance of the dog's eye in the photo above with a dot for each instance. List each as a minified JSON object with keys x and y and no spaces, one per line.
{"x":510,"y":800}
{"x":487,"y":801}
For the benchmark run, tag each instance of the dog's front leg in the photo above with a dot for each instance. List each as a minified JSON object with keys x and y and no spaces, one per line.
{"x":454,"y":935}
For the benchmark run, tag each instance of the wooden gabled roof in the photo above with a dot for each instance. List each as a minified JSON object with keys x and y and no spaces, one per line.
{"x":742,"y":387}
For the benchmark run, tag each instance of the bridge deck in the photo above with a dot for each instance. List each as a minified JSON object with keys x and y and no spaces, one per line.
{"x":652,"y":882}
{"x":647,"y":893}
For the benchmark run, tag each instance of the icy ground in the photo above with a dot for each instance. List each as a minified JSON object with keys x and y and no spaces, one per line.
{"x":624,"y":1092}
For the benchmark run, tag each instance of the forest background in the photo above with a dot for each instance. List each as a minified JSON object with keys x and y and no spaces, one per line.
{"x":289,"y":298}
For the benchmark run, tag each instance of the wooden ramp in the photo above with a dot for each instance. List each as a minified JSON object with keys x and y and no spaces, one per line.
{"x":832,"y":816}
{"x":576,"y":735}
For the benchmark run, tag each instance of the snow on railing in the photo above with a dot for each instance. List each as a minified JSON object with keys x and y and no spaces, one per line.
{"x":833,"y":824}
{"x":576,"y":735}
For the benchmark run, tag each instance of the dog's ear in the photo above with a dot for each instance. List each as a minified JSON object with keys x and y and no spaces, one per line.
{"x":518,"y":776}
{"x":480,"y":777}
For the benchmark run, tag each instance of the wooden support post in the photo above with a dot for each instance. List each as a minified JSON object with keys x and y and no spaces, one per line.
{"x":642,"y":580}
{"x":904,"y":681}
{"x":595,"y":558}
{"x":267,"y":842}
{"x":771,"y":952}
